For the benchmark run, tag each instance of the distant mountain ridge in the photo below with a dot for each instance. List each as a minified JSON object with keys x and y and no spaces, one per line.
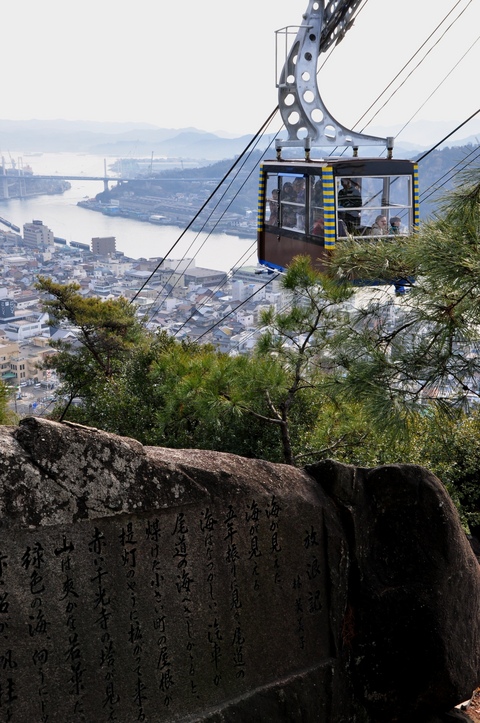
{"x":116,"y":139}
{"x":143,"y":139}
{"x":421,"y":135}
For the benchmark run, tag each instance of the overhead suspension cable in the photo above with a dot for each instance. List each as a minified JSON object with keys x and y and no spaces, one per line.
{"x":244,"y":256}
{"x":219,"y":286}
{"x":408,"y":63}
{"x":448,"y":136}
{"x":398,"y":74}
{"x":238,"y":307}
{"x":254,"y":331}
{"x":332,"y":47}
{"x":438,"y":86}
{"x":436,"y":186}
{"x":401,"y":71}
{"x":420,"y":159}
{"x":216,"y":222}
{"x":234,"y":164}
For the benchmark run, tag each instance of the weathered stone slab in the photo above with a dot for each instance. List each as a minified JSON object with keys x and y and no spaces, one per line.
{"x":149,"y":584}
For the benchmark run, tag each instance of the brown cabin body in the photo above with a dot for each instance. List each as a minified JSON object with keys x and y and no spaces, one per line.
{"x":307,"y":207}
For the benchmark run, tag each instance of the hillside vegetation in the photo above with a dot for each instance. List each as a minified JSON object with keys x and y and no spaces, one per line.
{"x":365,"y":377}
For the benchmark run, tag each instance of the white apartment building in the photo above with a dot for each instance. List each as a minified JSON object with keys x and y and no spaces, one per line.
{"x":26,"y":329}
{"x":36,"y":235}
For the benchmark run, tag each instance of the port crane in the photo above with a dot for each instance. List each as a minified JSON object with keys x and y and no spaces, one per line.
{"x":307,"y":205}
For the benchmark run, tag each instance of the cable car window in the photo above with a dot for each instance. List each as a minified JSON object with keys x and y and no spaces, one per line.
{"x":292,"y":201}
{"x":374,"y":205}
{"x":349,"y":197}
{"x":316,"y":220}
{"x":272,"y":209}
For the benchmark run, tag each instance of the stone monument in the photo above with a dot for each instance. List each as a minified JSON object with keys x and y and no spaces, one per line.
{"x":151,"y":584}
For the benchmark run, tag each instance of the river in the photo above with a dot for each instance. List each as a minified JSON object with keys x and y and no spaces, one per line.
{"x":135,"y":239}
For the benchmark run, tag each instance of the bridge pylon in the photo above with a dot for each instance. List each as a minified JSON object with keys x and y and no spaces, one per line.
{"x":3,"y":183}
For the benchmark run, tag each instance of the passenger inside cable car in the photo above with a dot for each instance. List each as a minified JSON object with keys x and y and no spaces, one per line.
{"x":349,"y":196}
{"x":377,"y":205}
{"x":310,"y":207}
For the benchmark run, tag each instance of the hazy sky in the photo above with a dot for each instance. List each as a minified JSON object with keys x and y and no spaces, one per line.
{"x":210,"y":64}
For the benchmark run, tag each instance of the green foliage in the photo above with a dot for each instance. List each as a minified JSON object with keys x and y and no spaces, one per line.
{"x":148,"y":386}
{"x":106,"y":329}
{"x":412,"y":362}
{"x":107,"y":334}
{"x":7,"y":417}
{"x":197,"y":393}
{"x":453,"y":454}
{"x":298,"y":340}
{"x":400,"y":353}
{"x":124,"y":402}
{"x":360,"y":375}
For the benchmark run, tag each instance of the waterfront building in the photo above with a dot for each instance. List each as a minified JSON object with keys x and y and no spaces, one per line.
{"x":10,"y":240}
{"x":37,"y":235}
{"x":103,"y":245}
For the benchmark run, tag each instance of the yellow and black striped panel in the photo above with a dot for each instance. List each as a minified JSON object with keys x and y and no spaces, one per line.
{"x":261,"y":199}
{"x":416,"y":203}
{"x":329,"y":207}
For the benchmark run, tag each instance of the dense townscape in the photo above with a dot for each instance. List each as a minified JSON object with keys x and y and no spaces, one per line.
{"x":240,"y":458}
{"x":176,"y":296}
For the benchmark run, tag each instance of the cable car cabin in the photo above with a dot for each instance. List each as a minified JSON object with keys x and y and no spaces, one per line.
{"x":307,"y":207}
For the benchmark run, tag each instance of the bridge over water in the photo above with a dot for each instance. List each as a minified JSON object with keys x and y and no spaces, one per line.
{"x":21,"y":178}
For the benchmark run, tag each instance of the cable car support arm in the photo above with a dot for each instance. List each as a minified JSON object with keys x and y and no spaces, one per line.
{"x":306,"y":118}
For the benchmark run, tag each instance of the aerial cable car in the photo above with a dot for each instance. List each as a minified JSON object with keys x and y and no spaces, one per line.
{"x":308,"y":205}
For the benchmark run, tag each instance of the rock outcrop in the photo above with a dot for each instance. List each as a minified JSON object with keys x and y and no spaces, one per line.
{"x":141,"y":583}
{"x":413,"y":631}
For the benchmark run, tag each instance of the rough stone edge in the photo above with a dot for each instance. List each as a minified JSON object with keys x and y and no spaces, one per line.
{"x":285,"y":700}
